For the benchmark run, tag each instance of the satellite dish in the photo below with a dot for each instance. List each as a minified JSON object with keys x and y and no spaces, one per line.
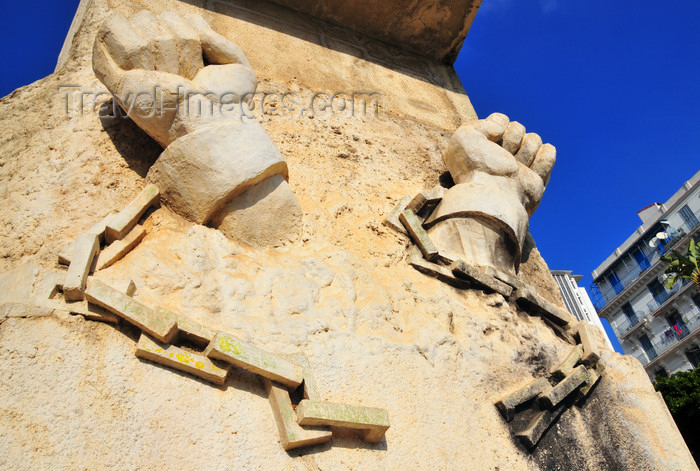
{"x":653,"y":242}
{"x":662,"y":235}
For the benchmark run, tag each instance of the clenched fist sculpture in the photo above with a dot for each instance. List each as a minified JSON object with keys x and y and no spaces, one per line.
{"x":500,"y":174}
{"x":187,"y":87}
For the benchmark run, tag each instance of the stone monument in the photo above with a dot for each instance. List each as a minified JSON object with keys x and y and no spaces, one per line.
{"x":276,"y":235}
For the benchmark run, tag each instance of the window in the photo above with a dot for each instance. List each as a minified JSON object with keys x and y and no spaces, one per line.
{"x":693,"y":356}
{"x":647,"y":346}
{"x":615,"y":282}
{"x":630,"y":314}
{"x":696,"y":301}
{"x":641,"y":259}
{"x":678,"y":327}
{"x":660,"y":373}
{"x":690,"y":219}
{"x":658,"y":292}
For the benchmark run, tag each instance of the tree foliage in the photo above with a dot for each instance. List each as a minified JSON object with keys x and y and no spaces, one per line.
{"x":683,"y":266}
{"x":681,"y":391}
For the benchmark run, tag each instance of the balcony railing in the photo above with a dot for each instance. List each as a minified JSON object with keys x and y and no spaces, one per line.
{"x":641,"y":315}
{"x":629,"y":325}
{"x":671,"y":337}
{"x":661,"y":298}
{"x":601,"y":296}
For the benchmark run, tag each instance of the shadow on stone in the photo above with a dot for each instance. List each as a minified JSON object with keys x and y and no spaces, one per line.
{"x":183,"y":374}
{"x":310,"y":450}
{"x":136,"y":147}
{"x":528,"y":246}
{"x":349,"y":438}
{"x":280,"y":18}
{"x":446,"y":180}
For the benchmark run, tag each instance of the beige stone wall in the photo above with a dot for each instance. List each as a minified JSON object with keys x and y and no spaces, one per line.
{"x":296,"y":50}
{"x":377,"y":332}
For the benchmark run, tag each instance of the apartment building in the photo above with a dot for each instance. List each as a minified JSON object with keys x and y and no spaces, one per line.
{"x":576,"y":299}
{"x":659,"y":326}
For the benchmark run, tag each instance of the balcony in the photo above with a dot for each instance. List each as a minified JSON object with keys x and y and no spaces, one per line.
{"x":662,"y":303}
{"x":607,"y":298}
{"x":670,"y":339}
{"x":631,"y":325}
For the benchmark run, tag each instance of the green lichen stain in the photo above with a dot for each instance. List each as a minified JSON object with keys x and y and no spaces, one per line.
{"x":228,"y":345}
{"x":348,"y":414}
{"x":151,"y":191}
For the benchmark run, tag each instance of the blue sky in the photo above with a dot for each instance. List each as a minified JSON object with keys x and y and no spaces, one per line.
{"x":615,"y":86}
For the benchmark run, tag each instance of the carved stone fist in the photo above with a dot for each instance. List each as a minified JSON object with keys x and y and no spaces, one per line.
{"x":153,"y":64}
{"x":500,"y":173}
{"x":183,"y":84}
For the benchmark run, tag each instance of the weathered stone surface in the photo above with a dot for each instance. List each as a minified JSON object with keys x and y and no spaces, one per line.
{"x":266,"y":215}
{"x":462,"y":269}
{"x":592,"y":341}
{"x":500,"y":119}
{"x":92,"y":312}
{"x":446,"y":258}
{"x":373,"y":420}
{"x":97,"y":229}
{"x":227,"y":348}
{"x":126,"y":286}
{"x":31,"y":285}
{"x":503,"y":276}
{"x":529,"y":300}
{"x":438,"y":36}
{"x":119,"y":248}
{"x":189,"y":329}
{"x":292,"y":435}
{"x":157,"y":324}
{"x":392,"y":220}
{"x":23,"y":310}
{"x":85,"y":249}
{"x":310,"y":387}
{"x":558,"y":393}
{"x":567,"y":366}
{"x":503,"y":220}
{"x":513,"y":136}
{"x":528,"y":148}
{"x":422,"y":204}
{"x":127,"y":218}
{"x":563,"y":332}
{"x":174,"y":357}
{"x":425,"y":202}
{"x":440,"y":272}
{"x":594,"y":375}
{"x":537,"y":426}
{"x":507,"y":404}
{"x":202,"y":171}
{"x":544,"y":161}
{"x":418,"y":235}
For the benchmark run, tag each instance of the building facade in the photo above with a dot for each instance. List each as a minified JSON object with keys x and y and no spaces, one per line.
{"x":577,"y":301}
{"x":659,"y":326}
